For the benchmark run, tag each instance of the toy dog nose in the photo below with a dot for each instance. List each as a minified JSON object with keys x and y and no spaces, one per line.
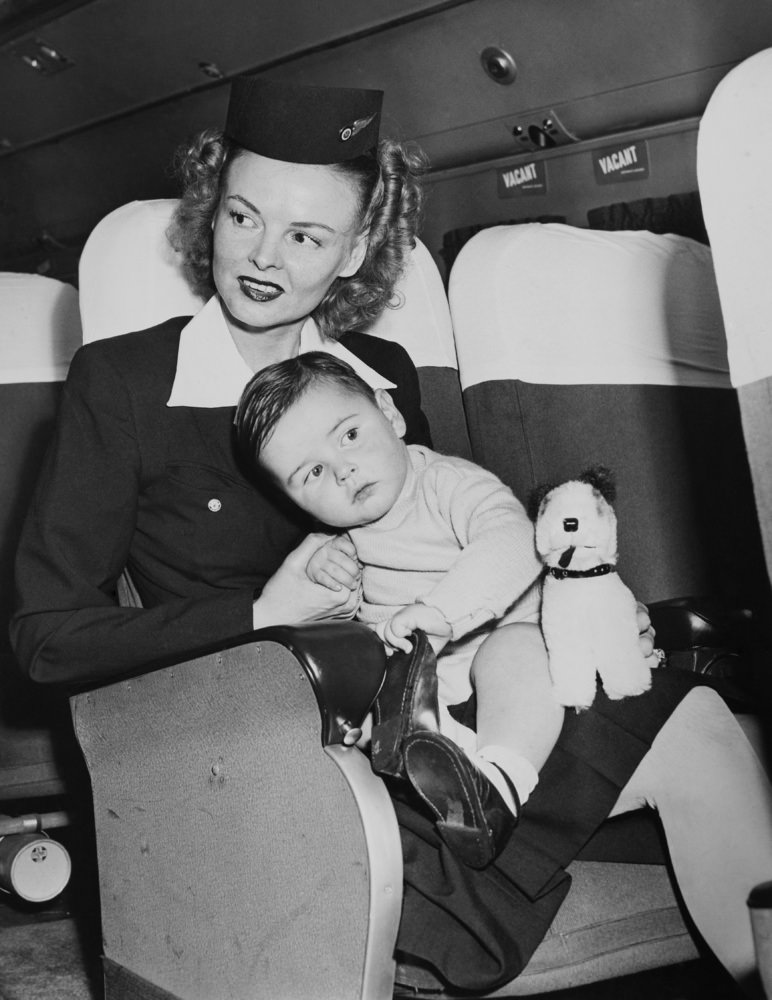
{"x":570,"y":524}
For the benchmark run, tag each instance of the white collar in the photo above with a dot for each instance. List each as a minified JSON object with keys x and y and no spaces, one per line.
{"x":211,"y":372}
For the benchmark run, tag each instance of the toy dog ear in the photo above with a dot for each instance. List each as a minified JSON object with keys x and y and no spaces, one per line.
{"x":601,"y":479}
{"x":537,"y":494}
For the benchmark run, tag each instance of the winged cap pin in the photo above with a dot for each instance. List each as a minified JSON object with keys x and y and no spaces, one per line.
{"x":349,"y":131}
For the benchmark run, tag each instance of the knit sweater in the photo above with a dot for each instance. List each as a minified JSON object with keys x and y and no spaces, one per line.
{"x":456,"y":539}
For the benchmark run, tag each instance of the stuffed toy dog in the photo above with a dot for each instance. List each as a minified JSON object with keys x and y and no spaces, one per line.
{"x":588,"y":615}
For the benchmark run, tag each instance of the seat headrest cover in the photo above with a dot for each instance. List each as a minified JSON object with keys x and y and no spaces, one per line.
{"x":420,"y":321}
{"x":552,"y":304}
{"x":40,"y":329}
{"x":300,"y":124}
{"x":734,"y":153}
{"x":130,"y":277}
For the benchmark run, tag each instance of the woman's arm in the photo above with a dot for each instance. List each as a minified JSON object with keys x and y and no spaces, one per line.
{"x":78,"y":537}
{"x":67,"y":625}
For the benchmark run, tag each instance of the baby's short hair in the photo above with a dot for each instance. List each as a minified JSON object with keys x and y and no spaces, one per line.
{"x":273,"y":390}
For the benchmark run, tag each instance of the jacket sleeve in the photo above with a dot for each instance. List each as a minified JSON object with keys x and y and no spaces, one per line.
{"x":67,"y":626}
{"x":497,"y":564}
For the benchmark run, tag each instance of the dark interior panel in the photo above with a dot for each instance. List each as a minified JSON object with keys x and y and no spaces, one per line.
{"x":124,"y":55}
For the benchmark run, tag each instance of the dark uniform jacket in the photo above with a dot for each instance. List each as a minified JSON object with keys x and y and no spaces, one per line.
{"x":130,"y":481}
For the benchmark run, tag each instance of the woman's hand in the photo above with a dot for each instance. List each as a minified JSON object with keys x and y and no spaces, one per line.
{"x":335,"y":564}
{"x":646,"y":636}
{"x":291,"y":596}
{"x":397,"y":631}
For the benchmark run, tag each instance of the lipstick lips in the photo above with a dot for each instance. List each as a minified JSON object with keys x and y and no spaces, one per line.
{"x":260,"y":291}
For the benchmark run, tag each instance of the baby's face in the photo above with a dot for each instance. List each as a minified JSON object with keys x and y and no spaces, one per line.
{"x":338,"y":455}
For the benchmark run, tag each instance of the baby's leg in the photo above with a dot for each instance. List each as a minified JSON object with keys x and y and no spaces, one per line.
{"x":715,"y":803}
{"x":518,"y":722}
{"x":518,"y":718}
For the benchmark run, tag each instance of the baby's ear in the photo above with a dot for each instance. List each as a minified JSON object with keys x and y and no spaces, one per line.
{"x":389,"y":410}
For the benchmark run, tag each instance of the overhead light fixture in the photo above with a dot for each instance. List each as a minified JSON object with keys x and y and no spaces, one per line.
{"x":41,"y":57}
{"x":212,"y":70}
{"x":498,"y":64}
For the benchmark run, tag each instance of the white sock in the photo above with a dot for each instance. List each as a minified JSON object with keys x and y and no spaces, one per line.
{"x":492,"y":760}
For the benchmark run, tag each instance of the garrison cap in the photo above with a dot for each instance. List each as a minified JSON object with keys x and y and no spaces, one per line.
{"x":299,"y":124}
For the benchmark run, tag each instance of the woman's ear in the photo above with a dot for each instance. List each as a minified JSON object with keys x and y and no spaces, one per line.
{"x":390,"y":411}
{"x":358,"y":254}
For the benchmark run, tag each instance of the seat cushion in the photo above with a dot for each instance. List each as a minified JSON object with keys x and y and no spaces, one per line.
{"x":617,"y":919}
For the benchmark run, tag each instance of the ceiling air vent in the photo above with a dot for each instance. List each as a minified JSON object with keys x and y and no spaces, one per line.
{"x":498,"y":64}
{"x":540,"y":130}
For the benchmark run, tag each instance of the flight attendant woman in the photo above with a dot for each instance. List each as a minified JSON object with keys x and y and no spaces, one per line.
{"x":299,"y":220}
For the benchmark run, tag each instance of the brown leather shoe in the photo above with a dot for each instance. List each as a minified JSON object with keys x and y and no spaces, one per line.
{"x":471,"y":816}
{"x":407,"y":703}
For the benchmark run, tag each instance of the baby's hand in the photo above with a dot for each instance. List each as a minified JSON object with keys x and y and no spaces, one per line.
{"x":397,"y":631}
{"x":334,"y":565}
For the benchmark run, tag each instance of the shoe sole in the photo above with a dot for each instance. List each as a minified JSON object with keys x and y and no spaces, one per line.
{"x":439,"y":772}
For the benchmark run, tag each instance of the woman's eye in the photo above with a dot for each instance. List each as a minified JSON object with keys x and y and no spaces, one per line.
{"x":239,"y":218}
{"x":304,"y":239}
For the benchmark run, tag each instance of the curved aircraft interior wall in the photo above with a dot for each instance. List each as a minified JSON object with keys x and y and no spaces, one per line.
{"x":563,"y":184}
{"x":96,"y":124}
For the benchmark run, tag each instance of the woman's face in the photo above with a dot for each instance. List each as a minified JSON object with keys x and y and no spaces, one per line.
{"x":282,"y":233}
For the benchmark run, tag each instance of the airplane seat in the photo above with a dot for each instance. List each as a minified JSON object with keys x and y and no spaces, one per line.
{"x":238,"y":840}
{"x":734,"y":155}
{"x":579,"y":348}
{"x":129,"y":276}
{"x":132,"y":279}
{"x":608,"y":348}
{"x":40,"y":332}
{"x":420,"y":321}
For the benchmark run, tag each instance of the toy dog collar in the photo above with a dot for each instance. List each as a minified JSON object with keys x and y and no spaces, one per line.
{"x":577,"y":574}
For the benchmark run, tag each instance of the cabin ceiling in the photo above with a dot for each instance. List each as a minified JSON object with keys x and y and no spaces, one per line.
{"x":97,"y":93}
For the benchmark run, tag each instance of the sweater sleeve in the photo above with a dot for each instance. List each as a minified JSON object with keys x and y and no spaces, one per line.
{"x":67,"y":626}
{"x":497,"y":563}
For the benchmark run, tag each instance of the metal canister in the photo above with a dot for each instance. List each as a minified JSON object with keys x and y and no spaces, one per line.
{"x":33,"y":866}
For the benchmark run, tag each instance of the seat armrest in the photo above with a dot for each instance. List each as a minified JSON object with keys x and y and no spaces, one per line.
{"x":704,"y":636}
{"x":346,"y":665}
{"x":233,"y":847}
{"x":686,"y":622}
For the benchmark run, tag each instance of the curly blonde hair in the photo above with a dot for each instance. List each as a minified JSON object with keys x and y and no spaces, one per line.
{"x":390,"y":205}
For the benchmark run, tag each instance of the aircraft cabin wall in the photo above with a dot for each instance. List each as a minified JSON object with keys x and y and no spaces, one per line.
{"x":95,"y":124}
{"x":648,"y":175}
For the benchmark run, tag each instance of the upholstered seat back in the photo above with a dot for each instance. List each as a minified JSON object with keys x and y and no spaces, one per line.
{"x":734,"y":153}
{"x":131,"y":279}
{"x":39,"y":333}
{"x":579,"y":348}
